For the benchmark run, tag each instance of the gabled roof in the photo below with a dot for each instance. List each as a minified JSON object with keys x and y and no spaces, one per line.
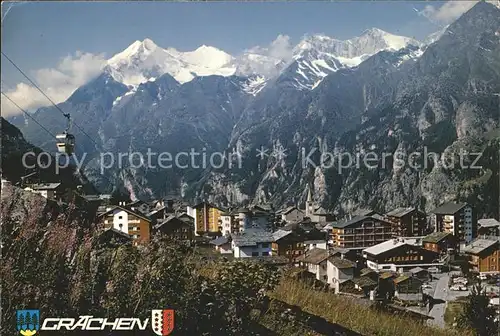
{"x":170,"y":220}
{"x":320,"y":211}
{"x":286,"y":211}
{"x":435,"y":237}
{"x":354,"y":220}
{"x":400,"y":212}
{"x":45,"y":186}
{"x":277,"y":235}
{"x":387,"y":275}
{"x":488,"y":222}
{"x":404,"y":278}
{"x":364,"y":212}
{"x":315,"y":241}
{"x":314,"y":256}
{"x":251,"y":238}
{"x":366,"y":271}
{"x":449,"y":208}
{"x":219,"y":241}
{"x":117,"y":232}
{"x":341,"y":263}
{"x":364,"y":281}
{"x":480,"y":244}
{"x":391,"y":245}
{"x":201,"y":204}
{"x":135,"y":213}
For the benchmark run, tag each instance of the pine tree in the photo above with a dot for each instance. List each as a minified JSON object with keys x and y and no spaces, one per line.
{"x":34,"y":320}
{"x":20,"y":321}
{"x":28,"y":320}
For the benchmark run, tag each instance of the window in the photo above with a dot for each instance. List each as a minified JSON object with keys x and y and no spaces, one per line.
{"x":255,"y":254}
{"x":265,"y":254}
{"x":120,"y":217}
{"x":265,"y":245}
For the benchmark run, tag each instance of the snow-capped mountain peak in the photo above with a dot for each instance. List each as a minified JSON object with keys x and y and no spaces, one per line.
{"x":208,"y":56}
{"x":144,"y":60}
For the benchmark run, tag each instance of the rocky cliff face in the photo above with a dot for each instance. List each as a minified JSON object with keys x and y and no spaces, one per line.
{"x":443,"y":102}
{"x":301,"y":126}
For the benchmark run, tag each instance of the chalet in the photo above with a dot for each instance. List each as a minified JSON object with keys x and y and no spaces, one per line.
{"x":408,"y":288}
{"x":113,"y":238}
{"x":290,"y":214}
{"x":407,"y":222}
{"x":175,"y":228}
{"x":140,"y":206}
{"x":338,"y":271}
{"x":457,"y":219}
{"x":128,"y":221}
{"x":360,"y":232}
{"x":364,"y":284}
{"x":488,"y":227}
{"x":288,"y":243}
{"x":222,"y":245}
{"x":158,"y":213}
{"x":252,"y":244}
{"x":315,"y":262}
{"x":440,"y":242}
{"x":420,"y":273}
{"x":484,"y":254}
{"x":400,"y":254}
{"x":206,"y":217}
{"x":52,"y":191}
{"x":186,"y":218}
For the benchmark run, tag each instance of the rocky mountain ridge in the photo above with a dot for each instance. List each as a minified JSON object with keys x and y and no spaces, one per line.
{"x":440,"y":96}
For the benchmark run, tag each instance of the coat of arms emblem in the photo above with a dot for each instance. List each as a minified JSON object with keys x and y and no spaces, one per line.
{"x":162,"y":321}
{"x":28,"y":321}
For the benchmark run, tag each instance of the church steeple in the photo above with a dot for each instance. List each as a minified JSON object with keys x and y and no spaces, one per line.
{"x":309,"y":202}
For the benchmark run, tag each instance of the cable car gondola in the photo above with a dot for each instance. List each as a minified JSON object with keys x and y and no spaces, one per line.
{"x":66,"y":141}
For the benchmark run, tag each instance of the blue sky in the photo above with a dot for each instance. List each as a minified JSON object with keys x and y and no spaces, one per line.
{"x":38,"y":35}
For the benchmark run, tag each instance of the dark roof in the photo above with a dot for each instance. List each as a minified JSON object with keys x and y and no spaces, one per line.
{"x":345,"y":223}
{"x":320,"y":211}
{"x":251,"y":238}
{"x":448,"y":208}
{"x":170,"y":220}
{"x":133,"y":212}
{"x":219,"y":241}
{"x":117,"y":232}
{"x":481,"y":244}
{"x":403,"y":278}
{"x":366,"y":271}
{"x":400,"y":212}
{"x":208,"y":205}
{"x":364,"y":281}
{"x":315,"y":241}
{"x":314,"y":256}
{"x":341,"y":263}
{"x":387,"y":275}
{"x":364,"y":212}
{"x":435,"y":237}
{"x":288,"y":210}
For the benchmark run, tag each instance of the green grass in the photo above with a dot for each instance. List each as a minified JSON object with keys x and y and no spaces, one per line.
{"x":453,"y":310}
{"x":349,"y":313}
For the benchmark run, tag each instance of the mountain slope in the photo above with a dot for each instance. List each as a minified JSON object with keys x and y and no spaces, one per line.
{"x":444,"y":101}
